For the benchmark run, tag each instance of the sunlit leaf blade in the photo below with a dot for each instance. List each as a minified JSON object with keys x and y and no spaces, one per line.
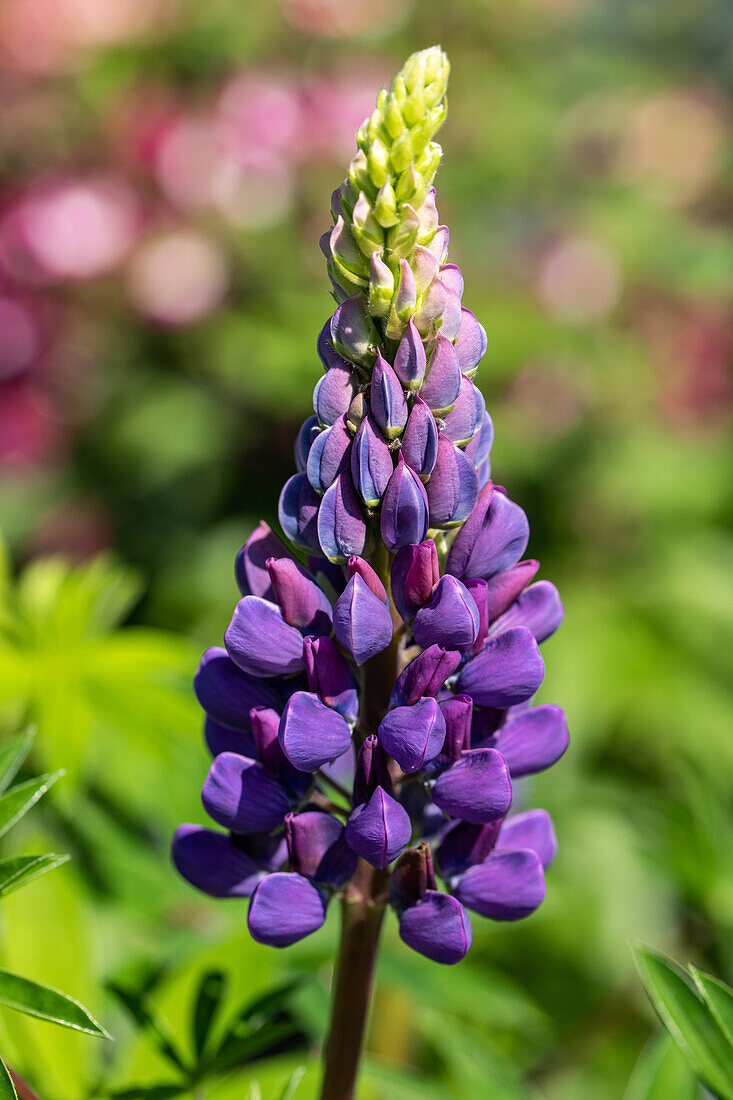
{"x":12,"y":755}
{"x":688,"y":1020}
{"x":19,"y":800}
{"x":148,"y":1023}
{"x":661,"y":1073}
{"x":206,"y":1006}
{"x":17,"y":871}
{"x":7,"y":1088}
{"x":719,"y":999}
{"x":47,"y":1003}
{"x":295,"y":1079}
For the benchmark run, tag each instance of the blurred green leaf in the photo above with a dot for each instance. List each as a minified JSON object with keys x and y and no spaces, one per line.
{"x":719,"y":999}
{"x":7,"y":1088}
{"x":662,"y":1073}
{"x":289,"y":1090}
{"x":46,"y":1003}
{"x":207,"y":1004}
{"x":17,"y":871}
{"x":12,"y":755}
{"x":688,"y":1020}
{"x":18,"y":801}
{"x":149,"y":1023}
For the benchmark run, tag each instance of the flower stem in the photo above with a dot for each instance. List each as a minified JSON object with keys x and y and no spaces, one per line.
{"x":361,"y":922}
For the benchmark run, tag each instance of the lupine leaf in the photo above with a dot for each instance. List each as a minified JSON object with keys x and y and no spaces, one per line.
{"x":148,"y":1023}
{"x":19,"y":800}
{"x":12,"y":755}
{"x":719,"y":999}
{"x":17,"y":871}
{"x":47,"y":1003}
{"x":688,"y":1020}
{"x":7,"y":1088}
{"x":662,"y":1072}
{"x":206,"y":1006}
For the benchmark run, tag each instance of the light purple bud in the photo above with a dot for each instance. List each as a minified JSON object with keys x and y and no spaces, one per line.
{"x":250,"y":567}
{"x":507,"y":886}
{"x":438,"y":927}
{"x":311,"y":734}
{"x":539,"y":608}
{"x":451,"y":322}
{"x":410,"y":360}
{"x":365,"y":571}
{"x":238,"y":794}
{"x":379,"y":830}
{"x":457,"y":712}
{"x":479,"y":589}
{"x":493,"y":538}
{"x":387,"y":400}
{"x":303,"y":603}
{"x":298,"y":511}
{"x":443,"y":382}
{"x":532,"y":829}
{"x":404,"y":517}
{"x":371,"y":463}
{"x":415,"y":573}
{"x":452,"y":490}
{"x":330,"y":677}
{"x":466,"y":416}
{"x":425,"y":675}
{"x":420,"y":440}
{"x":450,"y":619}
{"x":477,"y":788}
{"x":503,"y":588}
{"x":371,"y":770}
{"x":329,"y":455}
{"x":425,"y":267}
{"x":479,"y":448}
{"x":532,"y":740}
{"x":507,"y":671}
{"x":284,"y":909}
{"x":452,"y":279}
{"x":226,"y":693}
{"x":342,"y":529}
{"x":317,"y":848}
{"x":352,"y":332}
{"x":213,"y":864}
{"x":432,"y":307}
{"x":260,"y":641}
{"x":361,"y":621}
{"x":470,"y":343}
{"x":406,"y":296}
{"x":414,"y":735}
{"x":439,"y":244}
{"x":334,"y":393}
{"x":309,"y":430}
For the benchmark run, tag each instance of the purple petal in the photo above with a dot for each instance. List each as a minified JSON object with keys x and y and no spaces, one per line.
{"x":250,"y":569}
{"x":329,"y":455}
{"x":311,"y":733}
{"x":404,"y":516}
{"x":507,"y":886}
{"x":452,"y":279}
{"x":413,"y":735}
{"x":425,"y":675}
{"x":379,"y":830}
{"x":371,"y":771}
{"x":438,"y":927}
{"x":298,"y":511}
{"x":503,"y":588}
{"x":443,"y":382}
{"x":415,"y":572}
{"x":317,"y":848}
{"x":452,"y":490}
{"x":334,"y":393}
{"x":457,"y":712}
{"x":326,"y":351}
{"x":352,"y":332}
{"x":238,"y":794}
{"x":371,"y":463}
{"x":309,"y":429}
{"x":420,"y":440}
{"x":466,"y":416}
{"x":411,"y":877}
{"x":471,"y":342}
{"x":539,"y":608}
{"x":387,"y":399}
{"x":450,"y":619}
{"x":303,"y":604}
{"x":226,"y":693}
{"x":479,"y":590}
{"x":365,"y":571}
{"x":433,"y":307}
{"x":224,"y":739}
{"x":492,"y":543}
{"x":330,"y":676}
{"x":533,"y":740}
{"x":260,"y":641}
{"x":476,"y":788}
{"x":464,"y":844}
{"x":410,"y":361}
{"x":213,"y":864}
{"x":284,"y":909}
{"x":507,"y":671}
{"x":532,"y":829}
{"x":341,"y":524}
{"x":479,"y":448}
{"x":361,"y":622}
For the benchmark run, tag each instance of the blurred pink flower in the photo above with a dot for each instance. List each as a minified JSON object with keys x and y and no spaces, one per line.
{"x":345,"y":18}
{"x":579,"y":280}
{"x":76,"y":530}
{"x":333,"y":109}
{"x":29,"y":434}
{"x":178,"y":278}
{"x":259,"y":118}
{"x":24,"y":332}
{"x":546,"y":401}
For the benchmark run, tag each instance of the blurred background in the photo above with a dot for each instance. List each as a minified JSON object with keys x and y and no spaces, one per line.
{"x":165,"y":173}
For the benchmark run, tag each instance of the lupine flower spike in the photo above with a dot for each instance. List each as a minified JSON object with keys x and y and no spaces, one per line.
{"x":372,"y":705}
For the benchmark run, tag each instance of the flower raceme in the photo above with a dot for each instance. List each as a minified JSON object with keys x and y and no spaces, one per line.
{"x":414,"y":589}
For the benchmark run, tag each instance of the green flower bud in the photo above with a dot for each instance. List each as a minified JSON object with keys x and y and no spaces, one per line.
{"x":367,"y":231}
{"x":385,"y":206}
{"x":381,"y":286}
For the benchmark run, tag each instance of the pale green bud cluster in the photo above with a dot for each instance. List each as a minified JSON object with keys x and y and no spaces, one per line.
{"x":385,"y":208}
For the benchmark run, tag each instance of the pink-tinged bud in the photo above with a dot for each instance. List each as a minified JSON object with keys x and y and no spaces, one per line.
{"x":470,"y":343}
{"x":439,"y":243}
{"x":342,"y":529}
{"x":443,"y":382}
{"x":317,"y":848}
{"x":404,"y":517}
{"x":425,"y":267}
{"x":452,"y":490}
{"x":405,"y":301}
{"x":420,"y":440}
{"x":330,"y":676}
{"x":363,"y":568}
{"x":361,"y":621}
{"x":371,"y":770}
{"x":410,"y":360}
{"x":431,"y":308}
{"x":466,"y":416}
{"x":411,"y":876}
{"x":479,"y":589}
{"x":452,"y":279}
{"x":457,"y":712}
{"x":415,"y":572}
{"x":302,"y":602}
{"x":504,"y":587}
{"x":387,"y":400}
{"x":381,"y":286}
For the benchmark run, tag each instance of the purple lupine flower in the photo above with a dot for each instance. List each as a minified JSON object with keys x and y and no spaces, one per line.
{"x":372,"y":707}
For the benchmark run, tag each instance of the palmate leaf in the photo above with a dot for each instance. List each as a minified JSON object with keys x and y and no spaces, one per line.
{"x":7,"y":1088}
{"x":46,"y":1003}
{"x":17,"y":871}
{"x":688,"y":1019}
{"x":12,"y":755}
{"x":18,"y":800}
